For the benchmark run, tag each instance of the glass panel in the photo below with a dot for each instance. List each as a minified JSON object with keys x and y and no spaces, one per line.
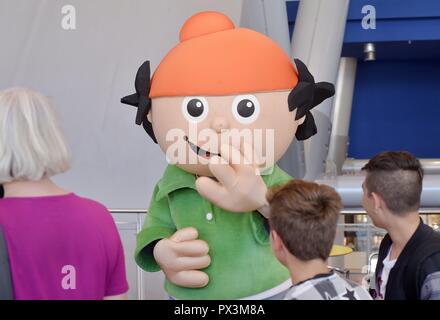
{"x":364,"y":238}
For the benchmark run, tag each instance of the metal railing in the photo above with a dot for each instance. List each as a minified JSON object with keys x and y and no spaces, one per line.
{"x":360,"y":211}
{"x":135,"y":225}
{"x":365,"y":233}
{"x":350,"y":165}
{"x":349,"y":211}
{"x":128,"y":211}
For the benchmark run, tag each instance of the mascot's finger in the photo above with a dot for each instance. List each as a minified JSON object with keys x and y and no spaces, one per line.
{"x":223,"y":172}
{"x":193,"y":263}
{"x":185,"y":234}
{"x":212,"y":190}
{"x":251,"y":156}
{"x":194,"y":248}
{"x":235,"y":158}
{"x":190,"y":279}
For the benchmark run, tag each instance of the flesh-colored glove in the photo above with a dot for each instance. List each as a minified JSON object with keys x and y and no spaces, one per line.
{"x":181,"y":256}
{"x":239,"y":187}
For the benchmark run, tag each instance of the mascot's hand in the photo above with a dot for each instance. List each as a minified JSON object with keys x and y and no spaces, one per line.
{"x":239,"y":188}
{"x":181,"y":256}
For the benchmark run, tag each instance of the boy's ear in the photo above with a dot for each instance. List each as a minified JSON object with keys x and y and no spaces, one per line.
{"x":378,"y":202}
{"x":277,"y":244}
{"x":278,"y":247}
{"x":272,"y":235}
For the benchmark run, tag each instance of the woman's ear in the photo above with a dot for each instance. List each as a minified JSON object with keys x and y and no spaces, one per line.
{"x":149,"y":117}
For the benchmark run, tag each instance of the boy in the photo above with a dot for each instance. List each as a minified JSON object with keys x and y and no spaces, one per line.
{"x":303,"y":218}
{"x":408,"y":267}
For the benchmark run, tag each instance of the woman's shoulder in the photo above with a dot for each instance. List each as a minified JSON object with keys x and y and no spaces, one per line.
{"x":71,"y":207}
{"x":88,"y":202}
{"x":90,"y":205}
{"x":94,"y":212}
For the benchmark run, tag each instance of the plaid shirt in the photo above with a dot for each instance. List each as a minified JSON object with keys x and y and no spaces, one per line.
{"x":327,"y":287}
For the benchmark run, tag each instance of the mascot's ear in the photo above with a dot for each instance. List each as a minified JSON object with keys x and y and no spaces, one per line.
{"x":305,"y":96}
{"x":141,"y":99}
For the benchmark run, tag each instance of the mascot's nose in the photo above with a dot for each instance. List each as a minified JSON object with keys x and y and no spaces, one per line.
{"x":219,"y":123}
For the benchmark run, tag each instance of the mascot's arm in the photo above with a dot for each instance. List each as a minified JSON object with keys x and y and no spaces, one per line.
{"x":158,"y":225}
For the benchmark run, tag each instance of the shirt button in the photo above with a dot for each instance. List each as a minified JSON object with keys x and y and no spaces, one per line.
{"x":209,"y":216}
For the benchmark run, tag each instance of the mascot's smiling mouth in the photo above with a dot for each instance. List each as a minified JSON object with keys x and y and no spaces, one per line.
{"x":199,"y":151}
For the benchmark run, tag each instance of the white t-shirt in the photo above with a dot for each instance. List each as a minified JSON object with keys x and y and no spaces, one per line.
{"x":383,"y":278}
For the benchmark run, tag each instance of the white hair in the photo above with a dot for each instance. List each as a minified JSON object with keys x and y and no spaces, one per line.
{"x":31,"y":143}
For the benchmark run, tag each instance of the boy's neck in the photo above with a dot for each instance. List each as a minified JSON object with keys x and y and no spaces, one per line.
{"x":401,"y":229}
{"x":304,"y":270}
{"x":43,"y":187}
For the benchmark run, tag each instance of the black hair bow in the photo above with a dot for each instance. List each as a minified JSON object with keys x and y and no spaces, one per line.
{"x":305,"y":96}
{"x":141,"y":98}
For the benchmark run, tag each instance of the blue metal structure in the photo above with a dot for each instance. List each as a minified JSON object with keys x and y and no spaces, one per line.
{"x":396,"y":103}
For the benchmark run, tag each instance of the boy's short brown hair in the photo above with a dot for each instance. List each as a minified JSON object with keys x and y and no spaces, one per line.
{"x":397,"y":176}
{"x":305,"y":214}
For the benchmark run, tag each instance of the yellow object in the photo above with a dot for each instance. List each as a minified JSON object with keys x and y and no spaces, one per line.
{"x":338,"y":250}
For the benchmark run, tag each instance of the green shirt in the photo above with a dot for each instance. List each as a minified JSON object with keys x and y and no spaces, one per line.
{"x":242,"y":262}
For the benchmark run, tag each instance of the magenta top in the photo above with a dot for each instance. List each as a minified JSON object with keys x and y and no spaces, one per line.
{"x":62,"y":247}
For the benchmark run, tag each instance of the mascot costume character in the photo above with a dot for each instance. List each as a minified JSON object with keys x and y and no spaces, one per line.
{"x":206,"y":227}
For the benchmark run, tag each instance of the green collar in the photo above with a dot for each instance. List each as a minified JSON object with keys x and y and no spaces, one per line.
{"x":175,"y":178}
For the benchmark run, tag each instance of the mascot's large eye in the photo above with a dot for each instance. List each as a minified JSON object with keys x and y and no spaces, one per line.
{"x":195,"y":109}
{"x":246,"y":108}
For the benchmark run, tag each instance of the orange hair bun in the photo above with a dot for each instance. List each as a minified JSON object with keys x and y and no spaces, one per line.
{"x":205,"y":23}
{"x":214,"y":58}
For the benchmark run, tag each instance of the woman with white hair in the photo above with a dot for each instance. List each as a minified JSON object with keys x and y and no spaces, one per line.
{"x":60,"y":245}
